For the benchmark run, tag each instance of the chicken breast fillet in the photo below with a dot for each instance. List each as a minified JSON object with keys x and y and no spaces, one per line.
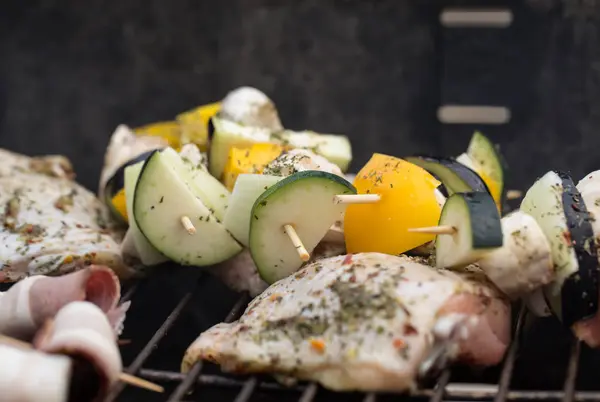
{"x":49,"y":223}
{"x":361,"y":322}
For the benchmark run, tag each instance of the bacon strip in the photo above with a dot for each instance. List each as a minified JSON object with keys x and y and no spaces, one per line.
{"x":31,"y":302}
{"x":31,"y":376}
{"x":82,"y":330}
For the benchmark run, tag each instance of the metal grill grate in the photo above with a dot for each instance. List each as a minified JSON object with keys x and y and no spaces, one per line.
{"x":245,"y":388}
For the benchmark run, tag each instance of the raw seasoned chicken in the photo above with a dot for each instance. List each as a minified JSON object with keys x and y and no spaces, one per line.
{"x":49,"y":223}
{"x":299,"y":160}
{"x":250,"y":107}
{"x":361,"y":322}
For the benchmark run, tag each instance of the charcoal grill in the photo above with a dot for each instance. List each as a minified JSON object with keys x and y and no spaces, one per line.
{"x":544,"y":362}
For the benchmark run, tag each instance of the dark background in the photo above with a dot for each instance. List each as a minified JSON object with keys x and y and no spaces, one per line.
{"x":71,"y":71}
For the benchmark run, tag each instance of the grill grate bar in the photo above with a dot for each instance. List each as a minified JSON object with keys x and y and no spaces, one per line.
{"x":370,"y":397}
{"x":151,"y":345}
{"x":309,"y":393}
{"x":191,"y":377}
{"x":569,"y":387}
{"x":509,"y":362}
{"x":214,"y":380}
{"x":129,"y":294}
{"x":440,"y":388}
{"x":247,"y":390}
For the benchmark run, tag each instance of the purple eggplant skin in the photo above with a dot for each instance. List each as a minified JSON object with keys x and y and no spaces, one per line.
{"x":580,"y":291}
{"x":468,"y":176}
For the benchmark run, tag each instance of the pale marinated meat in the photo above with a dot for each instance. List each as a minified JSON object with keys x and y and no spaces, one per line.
{"x":361,"y":322}
{"x":50,"y":224}
{"x":26,"y":306}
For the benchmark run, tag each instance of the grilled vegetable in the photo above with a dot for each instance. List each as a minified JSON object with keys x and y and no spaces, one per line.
{"x":194,"y":124}
{"x":408,"y":200}
{"x":114,"y":191}
{"x":249,"y":160}
{"x":146,"y":252}
{"x":483,"y":157}
{"x":524,"y":262}
{"x":305,"y":201}
{"x":211,"y":192}
{"x":169,"y":130}
{"x":456,"y":177}
{"x":478,"y":231}
{"x":559,"y":209}
{"x":165,"y":195}
{"x":247,"y":189}
{"x":227,"y":134}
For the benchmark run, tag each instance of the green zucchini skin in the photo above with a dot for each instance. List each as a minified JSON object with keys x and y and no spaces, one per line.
{"x":455,"y":176}
{"x":579,"y":293}
{"x":486,"y":227}
{"x":290,"y":201}
{"x":117,"y":181}
{"x":475,"y":217}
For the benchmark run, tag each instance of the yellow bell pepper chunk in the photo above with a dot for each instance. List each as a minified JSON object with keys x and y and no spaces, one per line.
{"x":194,"y":124}
{"x":494,"y":187}
{"x":118,"y":202}
{"x":251,"y":159}
{"x":407,"y":201}
{"x":169,"y":130}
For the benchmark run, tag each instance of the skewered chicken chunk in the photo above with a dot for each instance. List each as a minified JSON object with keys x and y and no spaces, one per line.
{"x":361,"y":322}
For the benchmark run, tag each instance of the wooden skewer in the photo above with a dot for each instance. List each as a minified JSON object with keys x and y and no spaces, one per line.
{"x":125,"y":377}
{"x":513,"y":194}
{"x":188,"y":225}
{"x":123,"y":342}
{"x":140,"y":383}
{"x":357,"y":198}
{"x":436,"y":230}
{"x":291,"y":232}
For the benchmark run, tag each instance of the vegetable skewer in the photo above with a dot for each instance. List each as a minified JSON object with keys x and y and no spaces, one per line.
{"x":435,"y":230}
{"x":291,"y":232}
{"x":125,"y":377}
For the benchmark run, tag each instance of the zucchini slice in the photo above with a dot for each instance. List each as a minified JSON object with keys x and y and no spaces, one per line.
{"x":210,"y":190}
{"x":248,"y":187}
{"x":484,"y":158}
{"x":456,"y":177}
{"x":478,"y":230}
{"x":162,"y":199}
{"x":147,"y":253}
{"x":559,"y":209}
{"x":304,"y":200}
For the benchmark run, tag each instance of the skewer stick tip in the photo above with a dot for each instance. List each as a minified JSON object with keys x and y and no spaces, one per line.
{"x":513,"y":194}
{"x":188,"y":225}
{"x":140,"y":383}
{"x":126,"y":378}
{"x":291,"y":232}
{"x":436,"y":230}
{"x":356,"y":198}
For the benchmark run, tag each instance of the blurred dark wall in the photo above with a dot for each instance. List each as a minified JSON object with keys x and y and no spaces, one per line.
{"x":374,"y":70}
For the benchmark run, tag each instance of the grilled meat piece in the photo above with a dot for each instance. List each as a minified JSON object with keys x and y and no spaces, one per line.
{"x":361,"y":322}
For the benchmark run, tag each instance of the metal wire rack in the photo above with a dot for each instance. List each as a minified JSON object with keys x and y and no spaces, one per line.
{"x":189,"y":387}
